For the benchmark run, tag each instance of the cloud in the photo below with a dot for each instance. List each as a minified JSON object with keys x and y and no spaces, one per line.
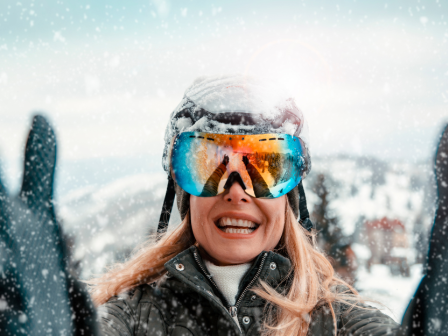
{"x":216,"y":10}
{"x":163,"y":7}
{"x":3,"y":78}
{"x":57,"y":36}
{"x":92,"y":84}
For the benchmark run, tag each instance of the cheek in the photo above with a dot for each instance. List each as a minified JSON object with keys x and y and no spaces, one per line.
{"x":200,"y":208}
{"x":274,"y":211}
{"x":275,"y":232}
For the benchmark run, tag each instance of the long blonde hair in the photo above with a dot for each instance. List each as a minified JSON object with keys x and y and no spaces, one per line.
{"x":312,"y":279}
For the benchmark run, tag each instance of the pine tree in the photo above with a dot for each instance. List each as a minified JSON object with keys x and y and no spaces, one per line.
{"x":330,"y":238}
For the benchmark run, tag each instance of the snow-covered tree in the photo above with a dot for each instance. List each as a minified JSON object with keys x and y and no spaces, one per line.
{"x":331,"y":238}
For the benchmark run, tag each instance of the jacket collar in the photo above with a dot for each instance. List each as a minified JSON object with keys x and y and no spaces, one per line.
{"x":189,"y":267}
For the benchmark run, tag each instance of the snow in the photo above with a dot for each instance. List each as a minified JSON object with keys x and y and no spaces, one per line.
{"x":110,"y":221}
{"x":391,"y":294}
{"x":402,"y":252}
{"x":356,"y":189}
{"x":362,"y":252}
{"x":238,"y":93}
{"x":183,"y":123}
{"x":3,"y":305}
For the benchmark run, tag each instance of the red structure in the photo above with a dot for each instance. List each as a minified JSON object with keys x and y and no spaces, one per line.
{"x":388,"y":243}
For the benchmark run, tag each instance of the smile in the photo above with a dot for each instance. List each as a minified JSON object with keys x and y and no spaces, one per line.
{"x":233,"y":225}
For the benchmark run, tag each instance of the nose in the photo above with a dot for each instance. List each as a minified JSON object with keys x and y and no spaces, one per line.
{"x":235,"y":193}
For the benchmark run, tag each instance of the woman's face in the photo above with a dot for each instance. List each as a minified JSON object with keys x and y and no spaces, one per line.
{"x":233,"y":227}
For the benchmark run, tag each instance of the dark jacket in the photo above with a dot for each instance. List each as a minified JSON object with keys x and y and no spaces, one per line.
{"x":188,"y":303}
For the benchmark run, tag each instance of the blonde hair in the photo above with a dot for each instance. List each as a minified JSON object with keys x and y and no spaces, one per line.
{"x":312,"y":280}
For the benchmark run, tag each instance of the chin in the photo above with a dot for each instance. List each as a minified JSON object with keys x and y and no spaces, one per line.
{"x":237,"y":256}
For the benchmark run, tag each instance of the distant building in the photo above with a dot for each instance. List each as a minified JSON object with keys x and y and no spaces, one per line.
{"x":388,"y":243}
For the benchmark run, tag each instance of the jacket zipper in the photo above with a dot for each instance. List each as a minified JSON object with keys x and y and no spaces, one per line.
{"x":233,"y":310}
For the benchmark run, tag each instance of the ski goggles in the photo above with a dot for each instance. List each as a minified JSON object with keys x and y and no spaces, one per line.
{"x":265,"y":165}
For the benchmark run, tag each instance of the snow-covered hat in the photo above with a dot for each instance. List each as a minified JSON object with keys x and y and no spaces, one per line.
{"x":235,"y":104}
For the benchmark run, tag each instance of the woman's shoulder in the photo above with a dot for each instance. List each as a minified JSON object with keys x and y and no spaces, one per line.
{"x":122,"y":313}
{"x":165,"y":304}
{"x":131,"y":297}
{"x":353,"y":316}
{"x":141,"y":295}
{"x":361,"y":318}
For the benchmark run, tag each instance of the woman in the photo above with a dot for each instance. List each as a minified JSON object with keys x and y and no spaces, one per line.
{"x":239,"y":263}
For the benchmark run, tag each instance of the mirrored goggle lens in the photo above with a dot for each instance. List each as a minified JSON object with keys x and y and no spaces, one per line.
{"x":265,"y":165}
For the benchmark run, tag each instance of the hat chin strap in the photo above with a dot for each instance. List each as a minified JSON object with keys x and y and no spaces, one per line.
{"x":304,"y":220}
{"x":166,"y":209}
{"x":171,"y":193}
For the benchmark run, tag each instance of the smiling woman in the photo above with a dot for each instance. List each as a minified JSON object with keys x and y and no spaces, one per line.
{"x":240,"y":262}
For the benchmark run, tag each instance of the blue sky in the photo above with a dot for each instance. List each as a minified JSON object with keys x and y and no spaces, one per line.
{"x":370,"y":76}
{"x":79,"y":19}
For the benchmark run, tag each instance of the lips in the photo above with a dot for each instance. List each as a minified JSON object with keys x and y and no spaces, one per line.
{"x":236,"y":225}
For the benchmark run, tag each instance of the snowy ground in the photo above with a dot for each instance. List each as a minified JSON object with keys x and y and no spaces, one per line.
{"x":393,"y":292}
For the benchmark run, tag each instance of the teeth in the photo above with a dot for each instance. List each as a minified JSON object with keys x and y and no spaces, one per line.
{"x":233,"y":225}
{"x":243,"y":231}
{"x":226,"y":221}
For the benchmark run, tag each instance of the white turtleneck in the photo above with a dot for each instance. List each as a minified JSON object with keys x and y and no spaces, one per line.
{"x":228,"y":278}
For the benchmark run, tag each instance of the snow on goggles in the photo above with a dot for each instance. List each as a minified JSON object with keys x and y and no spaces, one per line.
{"x":265,"y":165}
